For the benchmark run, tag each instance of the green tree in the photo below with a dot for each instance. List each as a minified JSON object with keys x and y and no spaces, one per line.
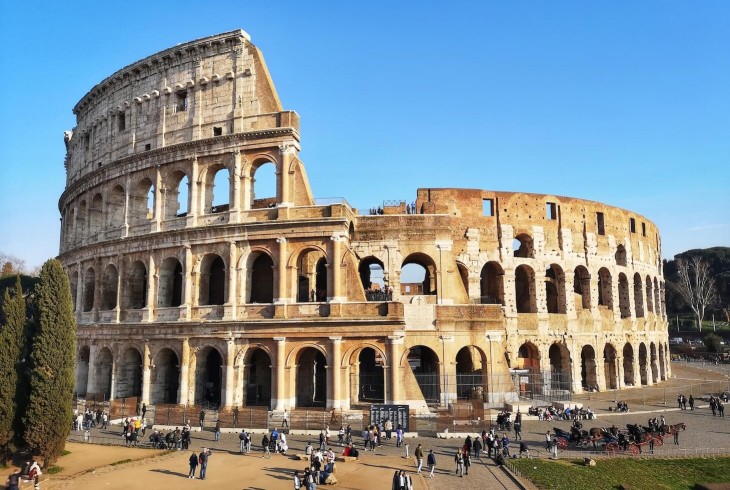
{"x":712,"y":342}
{"x":12,"y":340}
{"x":48,"y":417}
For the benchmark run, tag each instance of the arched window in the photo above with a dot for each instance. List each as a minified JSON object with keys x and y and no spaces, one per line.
{"x":142,"y":202}
{"x":263,"y":186}
{"x":523,"y":246}
{"x":624,"y":302}
{"x":176,"y":195}
{"x":649,"y":295}
{"x":555,"y":289}
{"x":96,"y":217}
{"x":605,"y":293}
{"x":89,"y":290}
{"x":582,"y":288}
{"x":109,"y":284}
{"x":418,"y":275}
{"x":621,"y":255}
{"x":491,"y":284}
{"x":80,"y":223}
{"x":525,"y":290}
{"x":115,"y":208}
{"x":136,"y":292}
{"x":372,"y":277}
{"x":262,"y":279}
{"x":170,"y":283}
{"x":217,"y":189}
{"x":638,"y":296}
{"x":212,"y":280}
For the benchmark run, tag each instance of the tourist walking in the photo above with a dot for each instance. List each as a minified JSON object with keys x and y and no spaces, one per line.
{"x":203,"y":460}
{"x":431,"y":460}
{"x":193,"y":464}
{"x":418,"y":453}
{"x":217,"y":432}
{"x":691,"y":402}
{"x":459,"y":460}
{"x":478,"y":447}
{"x":467,"y":461}
{"x":297,"y":481}
{"x":265,"y":446}
{"x":201,"y":418}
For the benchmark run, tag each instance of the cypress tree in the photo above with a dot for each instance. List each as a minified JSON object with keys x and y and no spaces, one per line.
{"x":48,"y":416}
{"x":12,"y":340}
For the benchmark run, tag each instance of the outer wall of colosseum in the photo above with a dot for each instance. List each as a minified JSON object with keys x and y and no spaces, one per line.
{"x":191,"y":284}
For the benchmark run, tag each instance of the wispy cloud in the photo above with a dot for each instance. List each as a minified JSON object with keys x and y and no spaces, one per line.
{"x":707,"y":227}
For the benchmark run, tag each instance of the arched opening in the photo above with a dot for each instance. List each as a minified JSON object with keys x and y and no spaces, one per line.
{"x":582,"y":288}
{"x":425,"y":366}
{"x":605,"y":294}
{"x":643,"y":366}
{"x":657,"y":301}
{"x":555,"y":289}
{"x":320,"y":280}
{"x":491,"y":284}
{"x":109,"y":284}
{"x":217,"y":190}
{"x":176,"y":195}
{"x":525,"y":290}
{"x":136,"y":291}
{"x":470,"y":366}
{"x":170,"y":283}
{"x":209,"y":364}
{"x":628,"y":355}
{"x":96,"y":216}
{"x":522,"y":246}
{"x":312,"y":276}
{"x":638,"y":296}
{"x":257,"y":387}
{"x":263,"y":186}
{"x":262,"y":279}
{"x":610,"y":369}
{"x":559,"y":368}
{"x":654,"y":363}
{"x":528,"y":358}
{"x":311,"y":378}
{"x":649,"y":295}
{"x":142,"y":202}
{"x":129,"y":374}
{"x":165,"y":377}
{"x":103,"y":373}
{"x":371,"y":376}
{"x":624,"y":302}
{"x":212,"y":280}
{"x":80,"y":223}
{"x":82,"y":371}
{"x":418,"y":275}
{"x":464,"y":276}
{"x":662,"y":372}
{"x":74,"y":281}
{"x":621,"y":255}
{"x":68,"y":220}
{"x":588,"y":371}
{"x":115,"y":208}
{"x":89,"y":286}
{"x":372,"y":278}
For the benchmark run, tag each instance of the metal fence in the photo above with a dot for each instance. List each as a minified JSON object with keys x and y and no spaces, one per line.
{"x":547,"y":386}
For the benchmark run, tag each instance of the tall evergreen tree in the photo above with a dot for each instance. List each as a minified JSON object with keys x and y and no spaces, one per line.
{"x":12,"y":340}
{"x":48,"y":416}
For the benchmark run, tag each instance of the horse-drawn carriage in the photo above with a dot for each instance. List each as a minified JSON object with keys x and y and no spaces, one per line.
{"x":631,"y":440}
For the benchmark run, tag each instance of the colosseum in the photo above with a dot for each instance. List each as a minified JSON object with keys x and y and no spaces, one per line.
{"x":194,"y":285}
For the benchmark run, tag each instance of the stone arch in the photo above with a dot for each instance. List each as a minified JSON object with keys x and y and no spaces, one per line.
{"x":74,"y":282}
{"x":610,"y":367}
{"x":649,"y":295}
{"x":605,"y":288}
{"x":89,"y":290}
{"x":654,"y":363}
{"x":528,"y":358}
{"x":662,"y":367}
{"x":419,"y":265}
{"x":372,"y":278}
{"x":464,"y":276}
{"x":103,"y":372}
{"x":560,"y":372}
{"x":264,"y":182}
{"x":216,"y":188}
{"x":491,"y":284}
{"x":141,"y":202}
{"x":82,"y":370}
{"x":109,"y":285}
{"x":80,"y":222}
{"x":643,"y":364}
{"x":129,"y":374}
{"x":620,"y":256}
{"x":523,"y":246}
{"x":471,"y":365}
{"x":177,"y":186}
{"x":624,"y":301}
{"x":638,"y":296}
{"x":525,"y":297}
{"x":368,"y":374}
{"x":628,"y":355}
{"x":555,"y":289}
{"x":311,"y":377}
{"x":310,"y":276}
{"x":588,"y":368}
{"x":582,"y":288}
{"x":96,"y":216}
{"x":208,"y":375}
{"x":115,"y":207}
{"x":170,"y":283}
{"x":424,"y":364}
{"x":257,"y":377}
{"x":260,"y":278}
{"x":69,"y":219}
{"x":212,"y":283}
{"x":657,"y":301}
{"x":135,"y":293}
{"x":165,"y":377}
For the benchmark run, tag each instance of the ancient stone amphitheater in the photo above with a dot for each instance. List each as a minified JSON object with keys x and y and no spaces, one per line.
{"x":193,"y":285}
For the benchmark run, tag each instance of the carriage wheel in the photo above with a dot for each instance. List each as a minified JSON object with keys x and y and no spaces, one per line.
{"x":562,"y":443}
{"x":611,"y":448}
{"x":634,"y":448}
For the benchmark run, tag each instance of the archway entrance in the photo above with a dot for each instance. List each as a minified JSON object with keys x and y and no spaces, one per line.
{"x":470,"y":367}
{"x":491,"y":284}
{"x":311,"y":378}
{"x":643,"y":364}
{"x":628,"y":354}
{"x":103,"y":373}
{"x":82,"y":371}
{"x":129,"y":374}
{"x":372,"y":277}
{"x":257,"y":390}
{"x":262,"y":280}
{"x":662,"y":368}
{"x":425,"y":366}
{"x":208,"y":377}
{"x":559,"y":369}
{"x":418,"y":275}
{"x":654,"y":364}
{"x":371,"y":376}
{"x":165,"y":377}
{"x":312,"y":276}
{"x":610,"y":369}
{"x":528,"y":358}
{"x":588,"y":371}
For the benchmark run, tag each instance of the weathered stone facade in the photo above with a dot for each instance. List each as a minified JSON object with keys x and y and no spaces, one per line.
{"x":267,"y":300}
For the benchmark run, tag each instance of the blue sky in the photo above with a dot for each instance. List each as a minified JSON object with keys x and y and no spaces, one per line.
{"x":627,"y":103}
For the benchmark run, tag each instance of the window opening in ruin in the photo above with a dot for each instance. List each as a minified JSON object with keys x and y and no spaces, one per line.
{"x":181,"y":101}
{"x":372,"y":278}
{"x":89,"y":286}
{"x":137,"y":286}
{"x":491,"y":284}
{"x":588,"y":371}
{"x":555,"y":289}
{"x":418,"y":276}
{"x":262,"y":279}
{"x":320,"y":280}
{"x":82,"y":371}
{"x":115,"y":208}
{"x":147,"y":147}
{"x":220,"y":192}
{"x":632,"y":225}
{"x":525,"y":290}
{"x":638,"y":296}
{"x":624,"y":302}
{"x":464,"y":275}
{"x":95,"y":217}
{"x":176,"y":195}
{"x":212,"y":280}
{"x":129,"y":378}
{"x":109,"y":285}
{"x":582,"y":288}
{"x":182,"y":197}
{"x":643,"y":373}
{"x":628,"y":355}
{"x":208,"y":377}
{"x":600,"y":223}
{"x":169,"y":292}
{"x":371,"y":387}
{"x":263,"y":186}
{"x":487,"y":207}
{"x":470,"y":374}
{"x":74,"y":288}
{"x":151,"y":203}
{"x":311,"y":383}
{"x":620,"y":255}
{"x":522,"y":246}
{"x":610,"y":369}
{"x":649,"y":295}
{"x":551,"y":210}
{"x":643,"y":229}
{"x":217,"y":131}
{"x":103,"y":373}
{"x":559,"y":368}
{"x":425,"y":366}
{"x":164,"y":379}
{"x":121,"y":121}
{"x":142,"y":202}
{"x":257,"y":388}
{"x":605,"y":294}
{"x":87,"y":141}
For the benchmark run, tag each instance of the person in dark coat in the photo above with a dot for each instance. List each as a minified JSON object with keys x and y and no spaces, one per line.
{"x":193,"y":465}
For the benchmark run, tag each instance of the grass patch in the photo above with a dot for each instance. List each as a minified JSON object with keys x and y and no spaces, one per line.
{"x":124,"y":461}
{"x":608,"y":474}
{"x":65,"y":453}
{"x":52,"y":470}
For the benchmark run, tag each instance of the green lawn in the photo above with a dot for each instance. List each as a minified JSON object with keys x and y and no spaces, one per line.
{"x":638,"y":473}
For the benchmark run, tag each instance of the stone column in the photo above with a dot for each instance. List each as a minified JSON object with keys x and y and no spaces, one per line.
{"x":157,"y":220}
{"x":184,"y":373}
{"x":280,"y":385}
{"x":444,"y":247}
{"x":395,"y":350}
{"x":91,"y":379}
{"x":113,"y":384}
{"x":280,"y":293}
{"x":235,"y":199}
{"x":146,"y":374}
{"x":127,"y":190}
{"x":230,"y":357}
{"x":188,"y":302}
{"x":336,"y":256}
{"x":97,"y":289}
{"x":284,"y":198}
{"x":510,"y":299}
{"x":193,"y":182}
{"x":151,"y":282}
{"x":335,"y":366}
{"x":120,"y":286}
{"x":447,"y":372}
{"x":232,"y":303}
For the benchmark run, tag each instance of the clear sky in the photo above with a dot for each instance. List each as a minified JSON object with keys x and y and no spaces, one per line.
{"x":627,"y":103}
